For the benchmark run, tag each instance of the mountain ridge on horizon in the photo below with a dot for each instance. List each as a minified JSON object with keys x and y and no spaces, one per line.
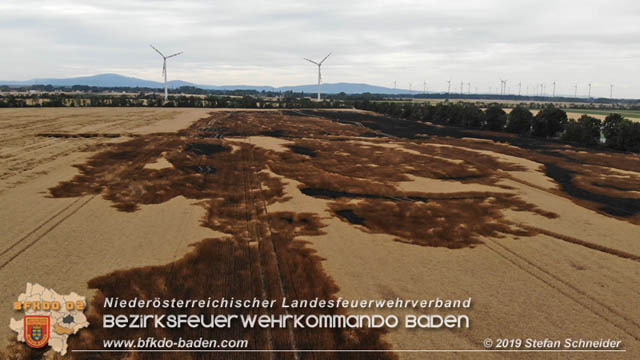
{"x":116,"y":80}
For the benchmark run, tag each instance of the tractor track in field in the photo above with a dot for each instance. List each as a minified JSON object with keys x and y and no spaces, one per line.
{"x":260,"y":233}
{"x":60,"y":214}
{"x":267,"y":239}
{"x":566,"y":289}
{"x":251,"y":236}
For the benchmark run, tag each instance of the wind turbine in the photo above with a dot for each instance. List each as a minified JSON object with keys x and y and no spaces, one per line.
{"x":589,"y":90}
{"x":554,"y":89}
{"x":611,"y":91}
{"x":319,"y":74}
{"x":448,"y":87}
{"x":519,"y":88}
{"x":575,"y":92}
{"x":164,"y":69}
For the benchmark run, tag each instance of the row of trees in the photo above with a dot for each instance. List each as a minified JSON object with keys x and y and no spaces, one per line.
{"x":152,"y":100}
{"x":550,"y":122}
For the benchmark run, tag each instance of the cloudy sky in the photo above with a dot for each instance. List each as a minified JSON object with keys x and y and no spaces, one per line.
{"x":375,"y":42}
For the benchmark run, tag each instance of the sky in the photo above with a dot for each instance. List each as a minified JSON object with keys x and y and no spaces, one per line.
{"x":375,"y":42}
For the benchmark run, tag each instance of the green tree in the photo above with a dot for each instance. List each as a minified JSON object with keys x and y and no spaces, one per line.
{"x":519,"y":120}
{"x":585,"y":131}
{"x":548,"y":121}
{"x":473,"y":116}
{"x":612,"y":129}
{"x":495,"y":117}
{"x":630,"y":136}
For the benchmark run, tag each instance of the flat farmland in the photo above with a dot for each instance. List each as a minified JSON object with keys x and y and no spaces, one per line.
{"x":320,"y":203}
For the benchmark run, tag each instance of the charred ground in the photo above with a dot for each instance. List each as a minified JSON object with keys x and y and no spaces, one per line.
{"x":353,"y":160}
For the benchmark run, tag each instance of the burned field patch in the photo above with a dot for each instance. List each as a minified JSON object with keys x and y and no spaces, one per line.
{"x":447,"y":223}
{"x":368,"y":196}
{"x":263,"y":255}
{"x":603,"y":195}
{"x":573,"y":170}
{"x":280,"y":124}
{"x":80,"y":135}
{"x":205,"y":148}
{"x":302,"y":150}
{"x":604,"y":182}
{"x":350,"y":216}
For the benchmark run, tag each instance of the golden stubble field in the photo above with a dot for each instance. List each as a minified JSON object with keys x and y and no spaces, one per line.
{"x":113,"y":202}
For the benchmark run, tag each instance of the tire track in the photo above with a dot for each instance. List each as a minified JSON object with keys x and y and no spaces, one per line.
{"x":45,"y":233}
{"x":570,"y":239}
{"x":589,"y":245}
{"x":248,"y":239}
{"x":566,"y":289}
{"x":272,"y":249}
{"x":38,"y":227}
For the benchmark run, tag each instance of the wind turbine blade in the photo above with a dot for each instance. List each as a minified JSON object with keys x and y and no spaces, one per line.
{"x":325,"y":58}
{"x":176,"y":54}
{"x":311,"y":61}
{"x":161,"y":54}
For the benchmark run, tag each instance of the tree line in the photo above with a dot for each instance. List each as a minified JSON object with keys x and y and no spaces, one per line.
{"x":550,"y":122}
{"x":155,"y":100}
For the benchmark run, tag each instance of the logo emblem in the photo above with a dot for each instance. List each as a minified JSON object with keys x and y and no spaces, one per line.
{"x":36,"y":330}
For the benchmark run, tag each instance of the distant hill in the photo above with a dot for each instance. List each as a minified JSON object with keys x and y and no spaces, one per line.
{"x":102,"y":80}
{"x":116,"y":80}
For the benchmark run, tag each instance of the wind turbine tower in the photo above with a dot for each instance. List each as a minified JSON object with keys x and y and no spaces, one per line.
{"x":461,"y":87}
{"x":575,"y":91}
{"x":424,"y":90}
{"x":519,"y":88}
{"x":589,"y":90}
{"x":449,"y":87}
{"x":554,"y":89}
{"x":469,"y":88}
{"x":319,"y":73}
{"x":164,"y":70}
{"x":611,"y":91}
